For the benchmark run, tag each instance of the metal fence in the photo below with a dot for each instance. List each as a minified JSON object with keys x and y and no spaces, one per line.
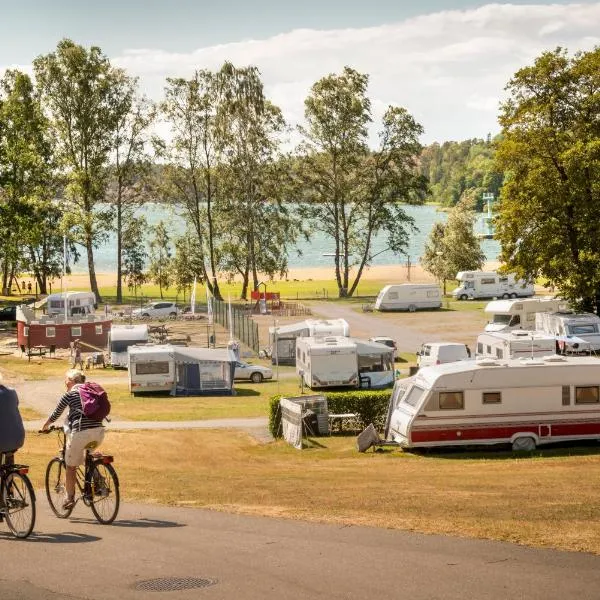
{"x":244,"y":328}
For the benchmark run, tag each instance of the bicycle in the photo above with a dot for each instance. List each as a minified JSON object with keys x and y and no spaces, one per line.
{"x":17,"y":498}
{"x":96,"y":481}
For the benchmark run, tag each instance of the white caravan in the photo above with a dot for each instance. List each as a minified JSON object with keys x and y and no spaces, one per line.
{"x":283,"y":339}
{"x":327,"y":361}
{"x":489,"y":284}
{"x":515,"y":344}
{"x":78,"y":303}
{"x":576,"y":332}
{"x":409,"y":296}
{"x":120,"y":338}
{"x":506,"y":315}
{"x":436,"y":353}
{"x":522,"y":402}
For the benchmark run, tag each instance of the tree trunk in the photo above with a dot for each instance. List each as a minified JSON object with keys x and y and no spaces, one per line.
{"x":92,"y":267}
{"x":119,"y":249}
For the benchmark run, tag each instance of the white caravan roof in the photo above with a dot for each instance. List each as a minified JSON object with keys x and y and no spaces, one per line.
{"x":182,"y":354}
{"x":328,"y":342}
{"x":129,"y":333}
{"x":410,"y":286}
{"x":314,"y":327}
{"x":506,"y":306}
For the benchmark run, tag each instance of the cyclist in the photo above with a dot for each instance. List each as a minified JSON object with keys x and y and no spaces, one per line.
{"x":83,"y":432}
{"x":12,"y":432}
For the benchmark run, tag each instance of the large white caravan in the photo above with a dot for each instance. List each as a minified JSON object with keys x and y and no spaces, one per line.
{"x":575,"y":331}
{"x":506,"y":315}
{"x":514,"y":344}
{"x":327,"y":361}
{"x":120,"y":338}
{"x":409,"y":296}
{"x":489,"y":284}
{"x":78,"y":303}
{"x":522,"y":402}
{"x":283,"y":338}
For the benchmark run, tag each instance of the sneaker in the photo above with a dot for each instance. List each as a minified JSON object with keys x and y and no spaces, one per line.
{"x":68,"y":504}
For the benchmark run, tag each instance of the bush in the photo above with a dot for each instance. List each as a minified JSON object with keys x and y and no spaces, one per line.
{"x":370,"y":406}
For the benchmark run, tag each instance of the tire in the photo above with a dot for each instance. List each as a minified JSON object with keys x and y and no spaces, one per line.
{"x":256,"y":377}
{"x":524,"y":444}
{"x":513,"y":295}
{"x":463,"y":297}
{"x":105,"y":493}
{"x":412,"y":308}
{"x":505,"y":296}
{"x":56,"y":487}
{"x":173,"y":315}
{"x":19,"y":500}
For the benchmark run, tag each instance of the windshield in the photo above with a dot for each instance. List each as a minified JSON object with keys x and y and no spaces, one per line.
{"x":501,"y":319}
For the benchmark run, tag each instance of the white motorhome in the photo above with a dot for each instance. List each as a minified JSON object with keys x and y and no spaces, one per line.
{"x":120,"y":338}
{"x":409,"y":296}
{"x":506,"y":315}
{"x":489,"y":284}
{"x":78,"y":303}
{"x":329,"y":361}
{"x":283,"y":338}
{"x":522,"y":402}
{"x":579,"y":332}
{"x":514,"y":344}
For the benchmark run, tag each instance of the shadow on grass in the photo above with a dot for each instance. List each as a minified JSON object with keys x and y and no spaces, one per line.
{"x":246,"y":392}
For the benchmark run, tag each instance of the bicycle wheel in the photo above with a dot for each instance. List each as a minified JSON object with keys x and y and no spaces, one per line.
{"x":56,"y":490}
{"x":19,"y":502}
{"x":105,"y":493}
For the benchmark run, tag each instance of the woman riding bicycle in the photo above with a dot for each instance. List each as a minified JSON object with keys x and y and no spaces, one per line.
{"x":83,"y":432}
{"x":12,"y":432}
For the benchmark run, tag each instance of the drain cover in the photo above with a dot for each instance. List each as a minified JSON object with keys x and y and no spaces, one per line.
{"x":170,"y":584}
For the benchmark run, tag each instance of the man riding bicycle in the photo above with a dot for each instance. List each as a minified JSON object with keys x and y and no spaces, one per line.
{"x":12,"y":432}
{"x":83,"y":433}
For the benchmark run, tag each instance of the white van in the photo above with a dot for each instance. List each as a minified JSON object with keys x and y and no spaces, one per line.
{"x":78,"y":304}
{"x":506,"y":315}
{"x":515,"y":344}
{"x":436,"y":353}
{"x":489,"y":284}
{"x":409,"y":296}
{"x":578,"y":332}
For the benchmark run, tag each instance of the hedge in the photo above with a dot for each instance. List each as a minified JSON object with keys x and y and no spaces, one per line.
{"x":370,"y":406}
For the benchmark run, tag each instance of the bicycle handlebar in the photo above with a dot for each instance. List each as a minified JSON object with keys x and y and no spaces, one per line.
{"x":50,"y":429}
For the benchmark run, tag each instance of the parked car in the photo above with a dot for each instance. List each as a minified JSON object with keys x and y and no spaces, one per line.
{"x":386,"y":341}
{"x":157,"y":309}
{"x":254,"y":373}
{"x":8,"y":313}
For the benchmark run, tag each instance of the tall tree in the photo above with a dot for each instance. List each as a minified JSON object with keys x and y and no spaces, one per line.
{"x":434,"y":253}
{"x":549,"y":218}
{"x":187,"y":263}
{"x":349,"y":192}
{"x":134,"y":253}
{"x":161,"y":263}
{"x":77,"y":86}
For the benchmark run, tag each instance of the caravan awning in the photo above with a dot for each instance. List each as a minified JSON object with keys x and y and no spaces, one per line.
{"x":183,"y":355}
{"x":365,"y":348}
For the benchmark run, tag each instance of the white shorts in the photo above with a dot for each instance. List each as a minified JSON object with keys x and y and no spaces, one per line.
{"x":79,"y":441}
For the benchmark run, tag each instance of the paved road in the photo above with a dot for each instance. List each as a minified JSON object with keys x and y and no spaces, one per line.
{"x":259,"y":558}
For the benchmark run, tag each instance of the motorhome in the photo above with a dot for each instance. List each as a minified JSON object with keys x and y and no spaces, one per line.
{"x":329,"y":361}
{"x":522,"y":402}
{"x":283,"y":338}
{"x":78,"y":304}
{"x":409,"y":296}
{"x":120,"y":338}
{"x":576,"y":332}
{"x":489,"y":284}
{"x":514,"y":344}
{"x":506,"y":315}
{"x":436,"y":353}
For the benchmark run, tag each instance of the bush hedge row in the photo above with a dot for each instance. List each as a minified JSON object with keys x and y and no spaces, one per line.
{"x":370,"y":406}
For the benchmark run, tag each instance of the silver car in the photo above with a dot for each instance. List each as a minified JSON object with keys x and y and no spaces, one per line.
{"x":254,"y":373}
{"x":157,"y":309}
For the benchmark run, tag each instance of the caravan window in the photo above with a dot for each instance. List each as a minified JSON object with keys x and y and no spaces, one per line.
{"x":582,"y":329}
{"x":488,"y":281}
{"x":479,"y":348}
{"x":413,"y":397}
{"x":499,"y":353}
{"x":587,"y":395}
{"x":433,"y":293}
{"x":492,"y":397}
{"x":452,"y":400}
{"x":152,"y":368}
{"x":297,"y":353}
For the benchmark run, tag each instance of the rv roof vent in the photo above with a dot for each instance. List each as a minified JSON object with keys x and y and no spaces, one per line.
{"x":486,"y":362}
{"x":531,"y":361}
{"x":521,"y":333}
{"x":555,"y":358}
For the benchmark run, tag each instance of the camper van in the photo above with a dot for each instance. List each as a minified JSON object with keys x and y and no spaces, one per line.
{"x":514,"y":344}
{"x":120,"y":338}
{"x":283,"y":339}
{"x":576,"y":332}
{"x":409,"y":296}
{"x":489,"y":284}
{"x":78,"y":304}
{"x":522,"y":402}
{"x":506,"y":315}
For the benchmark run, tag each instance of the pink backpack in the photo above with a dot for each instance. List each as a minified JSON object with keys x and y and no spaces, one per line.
{"x":94,"y":401}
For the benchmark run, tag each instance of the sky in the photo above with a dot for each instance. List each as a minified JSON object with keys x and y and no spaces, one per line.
{"x":446,"y":62}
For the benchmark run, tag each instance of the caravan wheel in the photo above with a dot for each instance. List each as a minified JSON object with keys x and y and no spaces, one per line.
{"x":505,"y":296}
{"x":412,"y":308}
{"x":463,"y":297}
{"x":523,"y":444}
{"x":513,"y":295}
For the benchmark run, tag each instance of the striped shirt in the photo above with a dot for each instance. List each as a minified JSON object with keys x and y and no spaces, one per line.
{"x":76,"y":419}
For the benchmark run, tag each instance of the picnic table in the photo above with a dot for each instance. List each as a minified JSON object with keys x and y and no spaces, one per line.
{"x":38,"y":350}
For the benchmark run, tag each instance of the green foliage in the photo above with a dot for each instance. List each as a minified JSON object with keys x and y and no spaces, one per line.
{"x":161,"y":263}
{"x":370,"y":406}
{"x":549,"y":218}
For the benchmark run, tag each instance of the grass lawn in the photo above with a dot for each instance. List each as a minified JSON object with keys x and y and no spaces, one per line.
{"x":35,"y":369}
{"x":549,"y":499}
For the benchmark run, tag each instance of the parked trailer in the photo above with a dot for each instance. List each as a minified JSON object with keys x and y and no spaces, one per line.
{"x":78,"y":304}
{"x":489,"y":284}
{"x":283,"y":338}
{"x":120,"y":338}
{"x":515,"y":344}
{"x":507,"y":315}
{"x":409,"y":296}
{"x":572,"y":329}
{"x":522,"y":402}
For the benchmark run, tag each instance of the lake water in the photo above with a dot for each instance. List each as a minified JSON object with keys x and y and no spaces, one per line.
{"x":311,"y":252}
